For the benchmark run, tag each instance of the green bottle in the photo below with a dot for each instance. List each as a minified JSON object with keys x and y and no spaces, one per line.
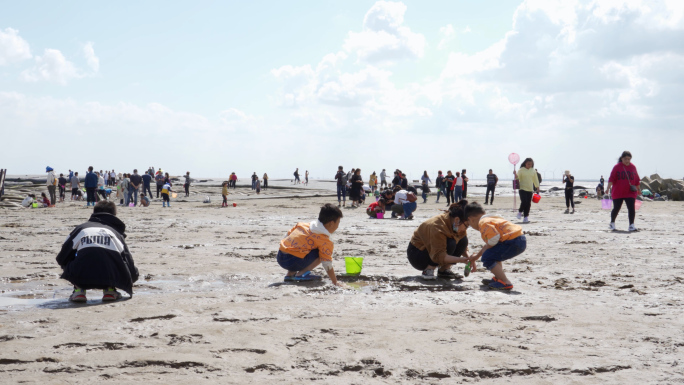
{"x":466,"y":271}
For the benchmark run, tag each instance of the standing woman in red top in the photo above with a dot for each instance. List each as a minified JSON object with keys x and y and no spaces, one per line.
{"x":624,"y":184}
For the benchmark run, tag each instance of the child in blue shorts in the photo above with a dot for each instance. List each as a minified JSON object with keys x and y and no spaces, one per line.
{"x":503,"y":240}
{"x":308,"y":244}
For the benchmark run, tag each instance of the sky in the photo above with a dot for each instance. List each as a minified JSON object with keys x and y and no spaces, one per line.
{"x":216,"y":87}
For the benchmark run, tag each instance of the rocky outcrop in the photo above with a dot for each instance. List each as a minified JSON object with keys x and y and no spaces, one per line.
{"x":670,"y":188}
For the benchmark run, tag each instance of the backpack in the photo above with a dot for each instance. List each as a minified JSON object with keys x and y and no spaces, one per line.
{"x":343,"y":178}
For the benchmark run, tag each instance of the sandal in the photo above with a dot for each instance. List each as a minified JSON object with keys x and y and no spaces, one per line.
{"x":497,"y":284}
{"x":307,"y":277}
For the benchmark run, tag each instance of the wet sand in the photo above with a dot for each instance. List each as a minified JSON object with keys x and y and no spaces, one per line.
{"x":589,"y":306}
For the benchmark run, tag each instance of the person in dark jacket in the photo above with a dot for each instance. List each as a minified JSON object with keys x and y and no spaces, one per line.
{"x":91,"y":185}
{"x":95,"y":256}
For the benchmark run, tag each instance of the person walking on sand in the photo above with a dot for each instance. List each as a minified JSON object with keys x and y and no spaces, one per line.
{"x":147,"y":182}
{"x":186,"y":185}
{"x":492,"y":181}
{"x":233,"y":180}
{"x":465,"y":183}
{"x":91,"y":186}
{"x":439,"y":184}
{"x":529,"y":182}
{"x":254,"y":179}
{"x":569,"y":181}
{"x":383,"y":179}
{"x":458,"y":187}
{"x":356,"y":188}
{"x":61,"y":183}
{"x":425,"y":178}
{"x":135,"y":182}
{"x":341,"y":178}
{"x":75,"y":186}
{"x":373,"y":182}
{"x":265,"y":181}
{"x":449,"y":181}
{"x":296,"y":175}
{"x":159,"y":180}
{"x":306,"y":178}
{"x":623,"y":185}
{"x":51,"y":184}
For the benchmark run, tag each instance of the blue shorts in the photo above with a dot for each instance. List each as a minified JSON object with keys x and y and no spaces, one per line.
{"x":504,"y":251}
{"x":291,"y":263}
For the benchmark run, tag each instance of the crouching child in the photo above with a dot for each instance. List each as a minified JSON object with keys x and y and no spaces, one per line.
{"x":503,"y":240}
{"x":308,"y":244}
{"x":95,"y":256}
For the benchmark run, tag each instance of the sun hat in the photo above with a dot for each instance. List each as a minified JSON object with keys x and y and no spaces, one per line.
{"x":48,"y":169}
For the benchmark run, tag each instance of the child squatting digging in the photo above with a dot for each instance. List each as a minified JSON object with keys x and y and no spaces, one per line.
{"x":503,"y":240}
{"x":308,"y":244}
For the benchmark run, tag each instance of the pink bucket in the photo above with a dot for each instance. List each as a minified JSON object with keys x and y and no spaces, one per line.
{"x":380,"y":215}
{"x":637,"y":204}
{"x":607,"y":204}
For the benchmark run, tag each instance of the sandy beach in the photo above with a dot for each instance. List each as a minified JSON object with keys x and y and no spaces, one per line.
{"x":589,"y":306}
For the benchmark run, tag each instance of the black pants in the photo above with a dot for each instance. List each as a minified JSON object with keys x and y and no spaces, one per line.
{"x":569,"y":198}
{"x":146,"y":190}
{"x":90,"y":195}
{"x":525,"y":202}
{"x":187,"y":190}
{"x":62,"y":192}
{"x":617,"y":205}
{"x":449,"y":195}
{"x":265,"y":183}
{"x":159,"y":188}
{"x":420,"y":259}
{"x":53,"y":195}
{"x":490,"y":188}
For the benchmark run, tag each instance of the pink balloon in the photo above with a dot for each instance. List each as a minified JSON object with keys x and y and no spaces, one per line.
{"x":514,"y":158}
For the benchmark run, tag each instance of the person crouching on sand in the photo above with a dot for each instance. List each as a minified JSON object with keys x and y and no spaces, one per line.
{"x":440,"y":242}
{"x":376,"y":208}
{"x":95,"y":256}
{"x":308,"y":244}
{"x":503,"y":240}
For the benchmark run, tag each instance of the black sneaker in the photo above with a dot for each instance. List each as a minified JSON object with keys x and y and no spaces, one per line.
{"x":447,"y":274}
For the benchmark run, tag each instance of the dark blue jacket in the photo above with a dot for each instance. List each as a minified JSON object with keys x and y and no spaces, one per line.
{"x":90,"y":180}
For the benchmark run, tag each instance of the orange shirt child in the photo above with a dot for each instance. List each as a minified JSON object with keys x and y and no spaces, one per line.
{"x":305,"y":237}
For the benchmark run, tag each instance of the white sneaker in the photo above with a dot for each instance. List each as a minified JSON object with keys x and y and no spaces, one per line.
{"x":428,"y":274}
{"x":632,"y":227}
{"x":526,"y":220}
{"x":519,"y":215}
{"x":612,"y":226}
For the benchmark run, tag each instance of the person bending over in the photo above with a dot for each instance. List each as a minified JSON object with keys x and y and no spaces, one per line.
{"x":95,"y":256}
{"x":503,"y":241}
{"x":308,"y":244}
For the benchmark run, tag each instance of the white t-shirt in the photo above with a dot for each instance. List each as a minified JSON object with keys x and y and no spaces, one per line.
{"x":401,"y":197}
{"x":459,"y":181}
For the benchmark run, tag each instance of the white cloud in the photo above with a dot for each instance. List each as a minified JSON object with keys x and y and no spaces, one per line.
{"x":92,"y":60}
{"x":54,"y":67}
{"x":448,"y":35}
{"x":467,"y":29}
{"x":13,"y":48}
{"x":385,"y":38}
